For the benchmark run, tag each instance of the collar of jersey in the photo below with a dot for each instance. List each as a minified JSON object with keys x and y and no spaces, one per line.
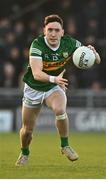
{"x":54,"y":49}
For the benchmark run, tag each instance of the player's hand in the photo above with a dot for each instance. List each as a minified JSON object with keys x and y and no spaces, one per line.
{"x":60,"y":80}
{"x":63,"y":87}
{"x":97,"y":57}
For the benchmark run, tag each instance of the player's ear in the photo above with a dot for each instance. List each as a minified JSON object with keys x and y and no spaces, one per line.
{"x":63,"y":32}
{"x":44,"y":30}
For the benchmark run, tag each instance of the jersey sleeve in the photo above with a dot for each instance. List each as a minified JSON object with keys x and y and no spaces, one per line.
{"x":75,"y":44}
{"x":35,"y":50}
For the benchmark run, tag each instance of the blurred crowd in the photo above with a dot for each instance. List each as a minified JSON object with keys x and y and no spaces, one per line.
{"x":83,"y":20}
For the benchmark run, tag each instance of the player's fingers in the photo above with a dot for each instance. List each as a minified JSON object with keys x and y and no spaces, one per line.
{"x":97,"y":57}
{"x":63,"y":87}
{"x":61,"y":81}
{"x":64,"y":82}
{"x":92,"y":48}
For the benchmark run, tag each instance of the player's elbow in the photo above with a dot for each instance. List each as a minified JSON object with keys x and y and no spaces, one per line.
{"x":36,"y":75}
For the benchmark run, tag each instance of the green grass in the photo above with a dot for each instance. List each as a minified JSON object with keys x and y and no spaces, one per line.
{"x":46,"y":161}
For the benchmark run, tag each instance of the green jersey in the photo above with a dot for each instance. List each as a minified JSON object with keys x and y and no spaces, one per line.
{"x":54,"y":60}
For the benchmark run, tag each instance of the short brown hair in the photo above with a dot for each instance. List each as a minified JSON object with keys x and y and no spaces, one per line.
{"x":53,"y":18}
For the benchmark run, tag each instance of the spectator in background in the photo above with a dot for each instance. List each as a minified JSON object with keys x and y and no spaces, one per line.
{"x":96,"y":86}
{"x":90,"y":39}
{"x":9,"y":73}
{"x":16,"y":60}
{"x":5,"y":26}
{"x":25,"y":59}
{"x":84,"y":19}
{"x":13,"y":67}
{"x":32,"y":30}
{"x":10,"y":41}
{"x":2,"y":60}
{"x":71,"y":27}
{"x":92,"y":27}
{"x":19,"y":31}
{"x":91,"y":10}
{"x":65,"y":9}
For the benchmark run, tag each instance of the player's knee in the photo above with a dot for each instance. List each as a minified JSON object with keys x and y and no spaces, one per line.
{"x":58,"y":110}
{"x":61,"y":116}
{"x":60,"y":113}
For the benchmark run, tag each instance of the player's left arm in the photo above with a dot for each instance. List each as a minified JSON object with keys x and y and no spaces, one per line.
{"x":76,"y":44}
{"x":98,"y":59}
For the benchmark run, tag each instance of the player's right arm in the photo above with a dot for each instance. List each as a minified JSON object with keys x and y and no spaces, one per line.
{"x":36,"y":64}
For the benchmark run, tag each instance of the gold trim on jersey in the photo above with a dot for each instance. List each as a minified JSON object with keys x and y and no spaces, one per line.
{"x":52,"y":66}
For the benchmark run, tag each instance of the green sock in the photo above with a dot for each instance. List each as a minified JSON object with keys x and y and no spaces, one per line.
{"x":25,"y":151}
{"x":64,"y":141}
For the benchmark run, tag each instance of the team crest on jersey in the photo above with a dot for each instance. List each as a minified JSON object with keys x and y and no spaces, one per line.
{"x":65,"y":54}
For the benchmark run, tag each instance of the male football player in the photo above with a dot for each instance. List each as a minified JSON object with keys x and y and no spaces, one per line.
{"x":44,"y":82}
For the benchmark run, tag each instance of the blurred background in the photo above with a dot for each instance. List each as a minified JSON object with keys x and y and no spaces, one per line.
{"x":21,"y":22}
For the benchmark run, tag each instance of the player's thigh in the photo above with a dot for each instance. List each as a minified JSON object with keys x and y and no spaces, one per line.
{"x":29,"y":116}
{"x":57,"y":102}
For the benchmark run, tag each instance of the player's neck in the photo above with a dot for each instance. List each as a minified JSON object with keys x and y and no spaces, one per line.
{"x":53,"y":48}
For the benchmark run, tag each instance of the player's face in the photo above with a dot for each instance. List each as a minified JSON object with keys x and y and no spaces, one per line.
{"x":53,"y":32}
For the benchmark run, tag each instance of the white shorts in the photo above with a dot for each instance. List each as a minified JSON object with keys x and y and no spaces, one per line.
{"x":34,"y":99}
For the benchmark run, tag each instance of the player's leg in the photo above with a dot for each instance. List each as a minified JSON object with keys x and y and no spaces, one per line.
{"x":29,"y":116}
{"x":32,"y":102}
{"x":57,"y":102}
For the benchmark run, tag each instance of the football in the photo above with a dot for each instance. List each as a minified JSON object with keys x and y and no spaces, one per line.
{"x":83,"y":57}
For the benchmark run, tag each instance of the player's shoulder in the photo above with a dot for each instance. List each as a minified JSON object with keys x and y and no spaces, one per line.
{"x":38,"y":41}
{"x":68,"y":38}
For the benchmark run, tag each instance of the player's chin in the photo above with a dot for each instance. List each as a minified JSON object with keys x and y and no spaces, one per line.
{"x":54,"y":44}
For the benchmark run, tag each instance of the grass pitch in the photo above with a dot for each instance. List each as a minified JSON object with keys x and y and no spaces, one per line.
{"x":46,"y":161}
